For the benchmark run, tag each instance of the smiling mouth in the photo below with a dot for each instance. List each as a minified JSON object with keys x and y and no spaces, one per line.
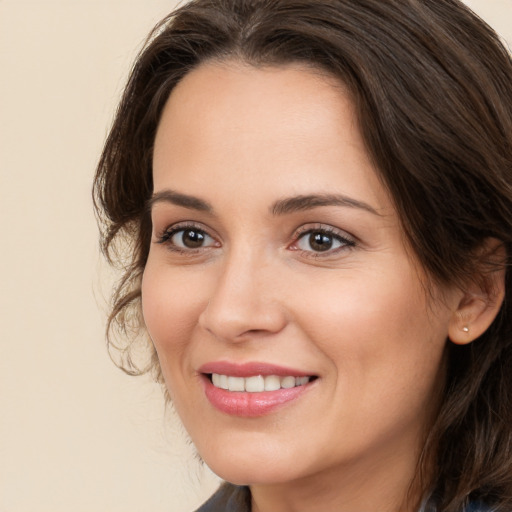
{"x":257,"y":383}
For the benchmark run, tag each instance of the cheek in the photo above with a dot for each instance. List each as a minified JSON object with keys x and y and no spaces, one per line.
{"x":385,"y":354}
{"x":171,"y":305}
{"x":376,"y":328}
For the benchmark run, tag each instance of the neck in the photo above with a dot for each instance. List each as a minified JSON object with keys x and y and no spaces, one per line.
{"x":383,"y":483}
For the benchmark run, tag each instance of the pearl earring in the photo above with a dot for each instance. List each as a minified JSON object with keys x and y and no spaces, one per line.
{"x":465,"y":328}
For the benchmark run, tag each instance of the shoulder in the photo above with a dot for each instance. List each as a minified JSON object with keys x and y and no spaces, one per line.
{"x":474,"y":506}
{"x":229,"y":498}
{"x":478,"y":507}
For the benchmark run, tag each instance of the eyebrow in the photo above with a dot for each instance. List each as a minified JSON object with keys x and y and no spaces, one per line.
{"x":280,"y":207}
{"x":308,"y":202}
{"x":183,"y":200}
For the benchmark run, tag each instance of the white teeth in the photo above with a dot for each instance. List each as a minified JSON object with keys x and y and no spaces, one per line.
{"x":236,"y":384}
{"x":287,"y":382}
{"x":257,"y":383}
{"x":223,"y":382}
{"x":220,"y":381}
{"x":301,"y":381}
{"x":272,"y":383}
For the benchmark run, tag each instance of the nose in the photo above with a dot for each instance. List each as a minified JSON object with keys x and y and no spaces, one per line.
{"x":245,"y":301}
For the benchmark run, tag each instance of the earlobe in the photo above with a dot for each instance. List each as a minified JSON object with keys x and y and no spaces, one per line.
{"x":473,"y":317}
{"x":483,"y":296}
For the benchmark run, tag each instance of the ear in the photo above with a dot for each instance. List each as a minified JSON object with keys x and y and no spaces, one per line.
{"x":482,"y":296}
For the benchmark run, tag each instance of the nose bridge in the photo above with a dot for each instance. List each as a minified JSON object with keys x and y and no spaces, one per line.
{"x":242,"y":302}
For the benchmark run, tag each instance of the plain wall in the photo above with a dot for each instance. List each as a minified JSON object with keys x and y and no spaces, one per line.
{"x":75,"y":432}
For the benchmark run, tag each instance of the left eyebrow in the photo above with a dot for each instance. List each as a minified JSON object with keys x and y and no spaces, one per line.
{"x":308,"y":202}
{"x":178,"y":199}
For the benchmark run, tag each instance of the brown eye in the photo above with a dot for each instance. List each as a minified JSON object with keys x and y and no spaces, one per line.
{"x":190,"y":238}
{"x":322,"y":241}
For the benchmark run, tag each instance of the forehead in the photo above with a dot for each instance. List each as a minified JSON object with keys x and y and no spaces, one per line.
{"x":288,"y":126}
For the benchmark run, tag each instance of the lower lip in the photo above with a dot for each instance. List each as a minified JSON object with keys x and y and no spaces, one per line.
{"x":250,"y":405}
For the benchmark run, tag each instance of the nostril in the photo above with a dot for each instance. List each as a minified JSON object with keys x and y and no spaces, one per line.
{"x":235,"y":312}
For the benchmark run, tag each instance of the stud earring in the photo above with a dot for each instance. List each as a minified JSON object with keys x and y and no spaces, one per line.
{"x":465,"y":328}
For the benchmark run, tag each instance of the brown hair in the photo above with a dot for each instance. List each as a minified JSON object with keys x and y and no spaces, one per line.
{"x":432,"y":85}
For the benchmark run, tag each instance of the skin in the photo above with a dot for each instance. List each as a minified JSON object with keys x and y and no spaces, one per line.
{"x":357,"y":316}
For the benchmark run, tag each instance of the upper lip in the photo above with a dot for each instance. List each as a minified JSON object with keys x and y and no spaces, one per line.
{"x":250,"y":369}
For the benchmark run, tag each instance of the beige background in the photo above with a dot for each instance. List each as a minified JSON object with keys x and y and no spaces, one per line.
{"x":76,"y":433}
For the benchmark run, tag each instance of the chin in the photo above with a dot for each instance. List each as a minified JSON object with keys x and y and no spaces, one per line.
{"x":251,"y":467}
{"x":249,"y":474}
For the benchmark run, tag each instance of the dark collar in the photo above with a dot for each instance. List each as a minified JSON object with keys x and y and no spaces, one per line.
{"x":229,"y":498}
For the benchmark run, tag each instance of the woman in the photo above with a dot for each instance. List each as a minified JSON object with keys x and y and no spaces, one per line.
{"x":317,"y":200}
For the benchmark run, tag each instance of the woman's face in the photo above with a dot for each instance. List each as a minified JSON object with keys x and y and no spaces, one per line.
{"x":277,"y":262}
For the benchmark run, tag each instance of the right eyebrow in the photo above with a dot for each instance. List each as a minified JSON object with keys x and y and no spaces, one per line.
{"x":310,"y":201}
{"x":178,"y":199}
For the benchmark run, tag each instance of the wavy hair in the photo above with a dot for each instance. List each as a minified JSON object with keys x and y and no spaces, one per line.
{"x":432,"y":86}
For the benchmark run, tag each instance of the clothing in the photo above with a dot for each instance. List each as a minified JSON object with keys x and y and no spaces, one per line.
{"x":233,"y":498}
{"x":229,"y":498}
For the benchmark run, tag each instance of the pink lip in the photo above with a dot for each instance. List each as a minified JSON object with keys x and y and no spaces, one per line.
{"x":250,"y":369}
{"x":245,"y":404}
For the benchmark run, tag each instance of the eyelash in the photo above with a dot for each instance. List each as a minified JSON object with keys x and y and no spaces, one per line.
{"x":346,"y":241}
{"x":165,"y":237}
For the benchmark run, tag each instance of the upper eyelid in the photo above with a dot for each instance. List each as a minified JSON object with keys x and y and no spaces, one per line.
{"x":165,"y":236}
{"x":347,"y":240}
{"x":308,"y":228}
{"x":182,"y":225}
